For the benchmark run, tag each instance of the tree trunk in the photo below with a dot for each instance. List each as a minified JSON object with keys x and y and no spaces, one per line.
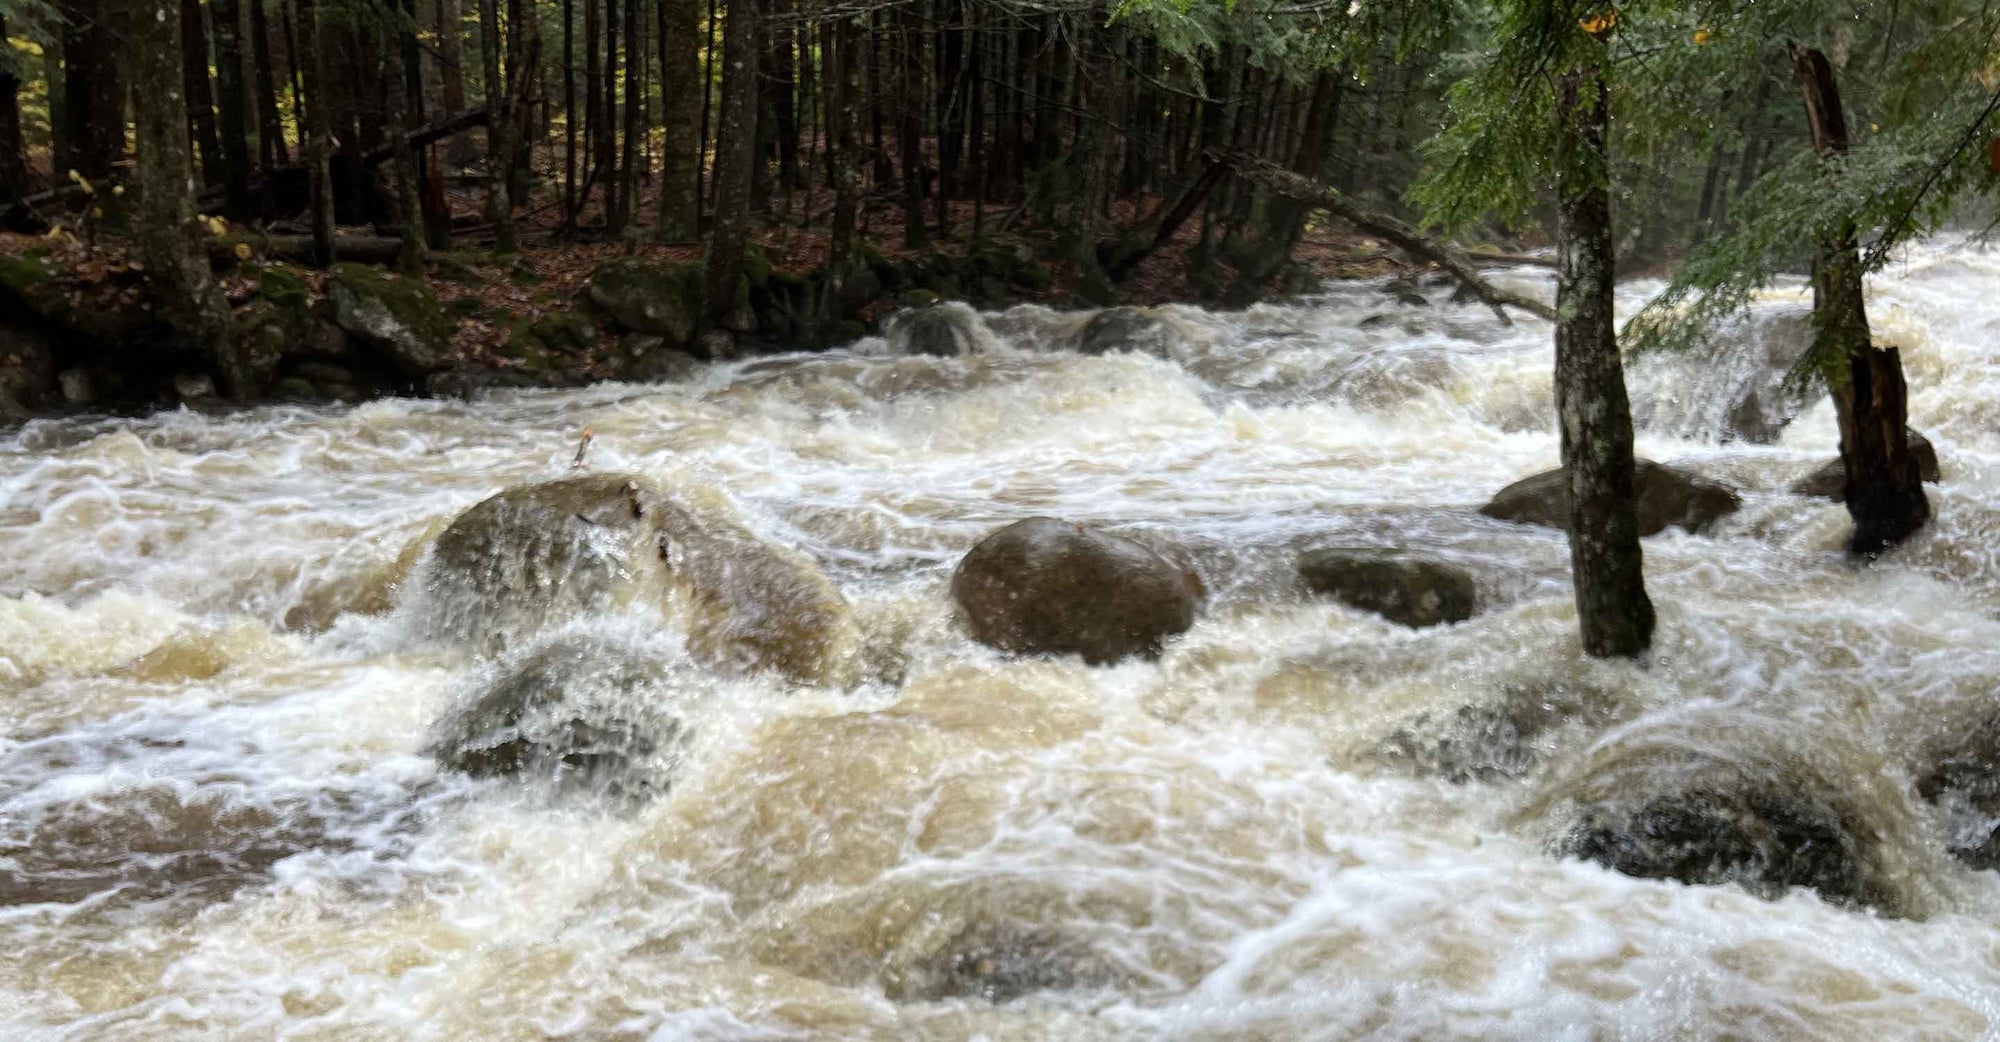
{"x":910,"y":112}
{"x":635,"y":111}
{"x":233,"y":100}
{"x":195,"y":88}
{"x":451,"y":77}
{"x":707,"y":102}
{"x":13,"y":153}
{"x":401,"y":49}
{"x":1885,"y":491}
{"x":735,"y":162}
{"x":499,"y":136}
{"x":844,"y":152}
{"x":93,"y":104}
{"x":318,"y":133}
{"x":607,"y":140}
{"x":168,"y":237}
{"x":272,"y":134}
{"x":1596,"y":418}
{"x":680,"y":94}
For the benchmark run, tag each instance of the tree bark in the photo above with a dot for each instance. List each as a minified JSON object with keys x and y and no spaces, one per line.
{"x":318,"y":133}
{"x":13,"y":153}
{"x":635,"y":111}
{"x":195,"y":87}
{"x":1884,"y":491}
{"x":910,"y":124}
{"x":233,"y":100}
{"x":168,"y":238}
{"x":680,"y":94}
{"x":451,"y":77}
{"x":93,"y":104}
{"x":844,"y":154}
{"x":735,"y":163}
{"x":272,"y":134}
{"x":1606,"y":564}
{"x":409,"y":191}
{"x":499,"y":127}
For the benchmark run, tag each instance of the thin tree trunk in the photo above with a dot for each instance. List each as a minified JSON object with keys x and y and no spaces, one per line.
{"x":607,"y":142}
{"x":451,"y":77}
{"x":233,"y":100}
{"x":272,"y":136}
{"x":168,"y":238}
{"x":499,"y":137}
{"x":681,"y":99}
{"x":635,"y":112}
{"x":195,"y":88}
{"x":735,"y":160}
{"x":910,"y":112}
{"x":409,"y":193}
{"x":843,"y":154}
{"x":13,"y":153}
{"x":1606,"y":563}
{"x":707,"y":99}
{"x":1884,"y":491}
{"x":318,"y":132}
{"x":569,"y":112}
{"x":93,"y":106}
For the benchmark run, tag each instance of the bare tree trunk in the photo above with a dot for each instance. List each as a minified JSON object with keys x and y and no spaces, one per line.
{"x":499,"y":127}
{"x":93,"y":85}
{"x":318,"y":132}
{"x":233,"y":99}
{"x":168,"y":237}
{"x":401,"y":50}
{"x":1885,"y":491}
{"x":13,"y":153}
{"x":451,"y":77}
{"x":735,"y":162}
{"x":635,"y":112}
{"x":844,"y":152}
{"x":680,"y":94}
{"x":910,"y":120}
{"x":1606,"y":564}
{"x":195,"y":87}
{"x":272,"y":135}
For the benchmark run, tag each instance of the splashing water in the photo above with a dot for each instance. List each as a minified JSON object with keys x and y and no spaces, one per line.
{"x":220,"y":819}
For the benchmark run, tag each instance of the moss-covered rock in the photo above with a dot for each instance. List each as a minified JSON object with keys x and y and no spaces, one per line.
{"x":643,"y":297}
{"x":396,"y":316}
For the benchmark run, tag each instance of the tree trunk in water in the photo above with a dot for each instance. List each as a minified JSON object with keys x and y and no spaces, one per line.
{"x":1595,"y":414}
{"x":318,"y":132}
{"x":735,"y":163}
{"x":200,"y":99}
{"x":168,"y":237}
{"x":680,"y":94}
{"x":1885,"y":491}
{"x":499,"y":142}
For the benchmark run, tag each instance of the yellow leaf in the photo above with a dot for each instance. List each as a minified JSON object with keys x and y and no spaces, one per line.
{"x":1600,"y":23}
{"x":243,"y":251}
{"x":1702,"y":36}
{"x":216,"y":227}
{"x":81,"y":183}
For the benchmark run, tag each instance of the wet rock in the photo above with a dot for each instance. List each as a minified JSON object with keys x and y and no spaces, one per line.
{"x":1959,"y":772}
{"x":1125,"y":329}
{"x":398,"y":317}
{"x":643,"y":297}
{"x":1415,"y":591}
{"x":945,"y":330}
{"x":1667,"y":496}
{"x":1829,"y":480}
{"x":1501,"y":739}
{"x":576,"y":712}
{"x":535,"y":555}
{"x":1048,"y":586}
{"x":27,"y":373}
{"x":468,"y":382}
{"x":647,"y":359}
{"x":78,"y":388}
{"x":1758,"y":833}
{"x":717,"y":345}
{"x":193,"y":387}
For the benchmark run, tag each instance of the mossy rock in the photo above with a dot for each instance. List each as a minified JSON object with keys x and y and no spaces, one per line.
{"x":398,"y":317}
{"x":21,"y":274}
{"x":642,"y":297}
{"x":282,"y":286}
{"x":454,"y":268}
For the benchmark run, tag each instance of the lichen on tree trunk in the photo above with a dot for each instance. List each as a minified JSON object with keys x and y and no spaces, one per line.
{"x":1596,"y":417}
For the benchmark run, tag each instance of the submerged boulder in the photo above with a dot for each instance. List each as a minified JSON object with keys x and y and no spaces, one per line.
{"x":1415,"y":591}
{"x":1124,"y":329}
{"x":945,"y":330}
{"x":1959,"y":772}
{"x":577,"y":711}
{"x":994,"y":961}
{"x":1829,"y":479}
{"x":1048,"y":586}
{"x":1501,"y":738}
{"x":1764,"y":834}
{"x":539,"y":554}
{"x":1667,"y":496}
{"x":399,"y":317}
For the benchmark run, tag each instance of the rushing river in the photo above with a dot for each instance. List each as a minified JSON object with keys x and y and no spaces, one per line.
{"x":218,"y":819}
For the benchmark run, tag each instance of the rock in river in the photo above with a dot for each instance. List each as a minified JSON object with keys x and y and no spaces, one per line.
{"x":535,"y":555}
{"x":1829,"y":479}
{"x":1413,"y":590}
{"x":1049,"y":586}
{"x":1667,"y":496}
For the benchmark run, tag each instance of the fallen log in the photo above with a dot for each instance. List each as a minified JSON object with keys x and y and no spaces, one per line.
{"x":365,"y":249}
{"x":1170,"y":223}
{"x":1497,"y":257}
{"x":418,"y":138}
{"x":1275,"y":178}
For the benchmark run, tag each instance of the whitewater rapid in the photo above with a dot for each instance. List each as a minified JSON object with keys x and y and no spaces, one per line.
{"x":218,"y":819}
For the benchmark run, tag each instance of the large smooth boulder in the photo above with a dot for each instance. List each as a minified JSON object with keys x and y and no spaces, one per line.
{"x":576,"y":712}
{"x":1413,"y":590}
{"x":1667,"y":496}
{"x":1829,"y":480}
{"x":945,"y":330}
{"x":1048,"y":586}
{"x":1759,"y":833}
{"x":538,"y":555}
{"x":399,"y":317}
{"x":642,"y":297}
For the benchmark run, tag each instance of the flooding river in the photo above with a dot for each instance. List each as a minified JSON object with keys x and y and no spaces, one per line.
{"x":219,"y":820}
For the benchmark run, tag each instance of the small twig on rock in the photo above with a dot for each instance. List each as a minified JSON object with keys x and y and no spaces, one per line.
{"x":582,"y":446}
